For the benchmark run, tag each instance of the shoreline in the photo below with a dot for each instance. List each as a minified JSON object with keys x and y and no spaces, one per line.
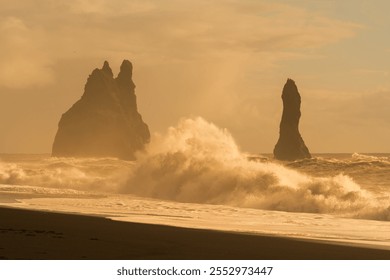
{"x":30,"y":234}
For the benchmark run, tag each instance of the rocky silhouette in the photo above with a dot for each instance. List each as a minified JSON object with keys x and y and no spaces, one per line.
{"x":290,"y":145}
{"x":105,"y":122}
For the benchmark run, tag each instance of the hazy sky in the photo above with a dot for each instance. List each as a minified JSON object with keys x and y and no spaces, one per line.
{"x":224,"y":60}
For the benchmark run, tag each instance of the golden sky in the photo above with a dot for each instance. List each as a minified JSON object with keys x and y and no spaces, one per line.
{"x":224,"y":60}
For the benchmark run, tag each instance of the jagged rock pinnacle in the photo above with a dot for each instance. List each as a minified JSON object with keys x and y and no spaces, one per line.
{"x":106,"y":69}
{"x":126,"y":70}
{"x":105,"y":122}
{"x":290,"y":145}
{"x":124,"y":78}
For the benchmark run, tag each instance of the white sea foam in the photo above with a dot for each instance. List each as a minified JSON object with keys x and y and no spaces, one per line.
{"x":369,"y":158}
{"x":67,"y":173}
{"x":198,"y":162}
{"x":196,"y":176}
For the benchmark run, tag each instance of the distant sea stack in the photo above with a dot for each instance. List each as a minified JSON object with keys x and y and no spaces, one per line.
{"x":290,"y":145}
{"x":105,"y":122}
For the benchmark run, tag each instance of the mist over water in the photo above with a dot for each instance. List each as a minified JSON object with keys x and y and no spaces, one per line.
{"x":197,"y":162}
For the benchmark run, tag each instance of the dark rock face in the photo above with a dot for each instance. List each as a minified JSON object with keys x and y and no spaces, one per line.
{"x":105,"y":122}
{"x":290,"y":145}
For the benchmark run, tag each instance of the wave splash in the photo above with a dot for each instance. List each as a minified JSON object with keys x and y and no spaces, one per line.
{"x":201,"y":163}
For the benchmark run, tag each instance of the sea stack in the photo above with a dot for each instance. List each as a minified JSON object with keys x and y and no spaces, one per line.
{"x":290,"y":145}
{"x":105,"y":122}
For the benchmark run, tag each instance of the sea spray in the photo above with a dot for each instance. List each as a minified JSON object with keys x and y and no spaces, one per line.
{"x":201,"y":163}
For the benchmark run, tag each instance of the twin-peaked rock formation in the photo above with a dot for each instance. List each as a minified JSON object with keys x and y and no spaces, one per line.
{"x":105,"y":122}
{"x":290,"y":145}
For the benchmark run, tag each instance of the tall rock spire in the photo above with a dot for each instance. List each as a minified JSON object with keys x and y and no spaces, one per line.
{"x":105,"y":122}
{"x":106,"y":69}
{"x":290,"y":145}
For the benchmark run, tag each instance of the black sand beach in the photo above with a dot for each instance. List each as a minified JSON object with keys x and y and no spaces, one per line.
{"x":28,"y":234}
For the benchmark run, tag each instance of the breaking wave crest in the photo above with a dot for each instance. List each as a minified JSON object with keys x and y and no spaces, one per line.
{"x":85,"y":174}
{"x":370,"y":158}
{"x":200,"y":163}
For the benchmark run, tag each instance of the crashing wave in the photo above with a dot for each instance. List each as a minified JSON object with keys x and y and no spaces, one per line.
{"x":198,"y":162}
{"x":201,"y":163}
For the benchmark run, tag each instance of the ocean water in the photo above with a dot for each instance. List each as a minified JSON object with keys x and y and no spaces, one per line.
{"x":196,"y":176}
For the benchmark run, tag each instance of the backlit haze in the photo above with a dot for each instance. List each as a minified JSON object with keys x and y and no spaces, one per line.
{"x":225,"y":60}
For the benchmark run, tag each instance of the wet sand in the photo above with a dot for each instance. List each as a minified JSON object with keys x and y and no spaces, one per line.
{"x":26,"y":234}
